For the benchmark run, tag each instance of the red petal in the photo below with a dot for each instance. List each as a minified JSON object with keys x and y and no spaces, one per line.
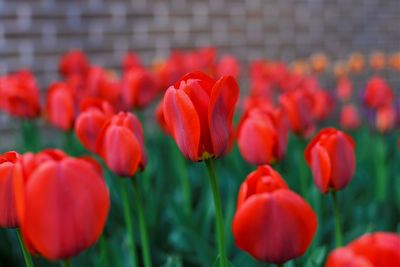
{"x":183,"y":122}
{"x":223,"y":99}
{"x":321,"y":168}
{"x":344,"y":257}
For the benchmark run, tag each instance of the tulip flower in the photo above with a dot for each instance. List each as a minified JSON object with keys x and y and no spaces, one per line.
{"x":131,"y":60}
{"x":262,"y":135}
{"x":139,"y":88}
{"x":19,"y":95}
{"x":94,"y":114}
{"x":344,"y":88}
{"x":330,"y":155}
{"x":385,"y":118}
{"x":319,"y":62}
{"x":63,"y":204}
{"x":60,"y":107}
{"x":73,"y":63}
{"x":198,"y":112}
{"x":297,"y":106}
{"x":349,"y":117}
{"x":377,"y":61}
{"x":331,"y":158}
{"x":121,"y":145}
{"x":378,"y":93}
{"x":272,"y":223}
{"x":356,"y":62}
{"x":159,"y":114}
{"x":8,"y":212}
{"x":228,"y":66}
{"x":370,"y":250}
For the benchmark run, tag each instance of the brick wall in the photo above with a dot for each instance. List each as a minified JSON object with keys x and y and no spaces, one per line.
{"x":34,"y":33}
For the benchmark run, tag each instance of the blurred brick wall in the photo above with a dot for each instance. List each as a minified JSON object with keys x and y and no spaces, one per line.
{"x":34,"y":33}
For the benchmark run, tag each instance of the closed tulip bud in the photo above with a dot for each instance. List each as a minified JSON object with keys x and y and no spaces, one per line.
{"x":73,"y":63}
{"x":385,"y":118}
{"x":130,"y":61}
{"x":228,"y":65}
{"x":377,"y":61}
{"x":370,"y":250}
{"x":60,"y":108}
{"x":330,"y":155}
{"x":378,"y":93}
{"x":262,"y":135}
{"x":344,"y":88}
{"x":159,"y":114}
{"x":319,"y":62}
{"x":297,"y":106}
{"x":139,"y":88}
{"x":19,"y":95}
{"x":63,"y":206}
{"x":121,"y":145}
{"x":8,"y":210}
{"x":94,"y":114}
{"x":349,"y":117}
{"x":198,"y":112}
{"x":356,"y":62}
{"x":272,"y":223}
{"x":101,"y":83}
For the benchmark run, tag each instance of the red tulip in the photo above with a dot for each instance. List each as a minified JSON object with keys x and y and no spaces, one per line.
{"x":60,"y":107}
{"x":344,"y":88}
{"x":228,"y":66}
{"x":8,"y":211}
{"x":344,"y":257}
{"x":198,"y":112}
{"x":378,"y":93}
{"x":131,"y":60}
{"x":385,"y":118}
{"x":139,"y":88}
{"x":349,"y":117}
{"x":298,"y":105}
{"x":19,"y":95}
{"x":73,"y":63}
{"x":121,"y":145}
{"x":262,"y":135}
{"x":159,"y":114}
{"x":370,"y":250}
{"x":272,"y":223}
{"x":330,"y":155}
{"x":63,"y":206}
{"x":94,"y":114}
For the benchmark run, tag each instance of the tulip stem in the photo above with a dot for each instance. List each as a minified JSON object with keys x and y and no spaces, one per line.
{"x":218,"y":212}
{"x":279,"y":265}
{"x":338,"y":228}
{"x":142,"y":223}
{"x":30,"y":136}
{"x":67,"y":263}
{"x":128,"y":221}
{"x":27,"y":256}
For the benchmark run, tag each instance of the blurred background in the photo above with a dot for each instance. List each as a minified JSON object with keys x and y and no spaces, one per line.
{"x":34,"y":33}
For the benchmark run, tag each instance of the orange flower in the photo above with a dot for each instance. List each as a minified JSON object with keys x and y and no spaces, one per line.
{"x":385,"y":118}
{"x":63,"y":204}
{"x":94,"y":114}
{"x":60,"y":108}
{"x":272,"y":223}
{"x":262,"y":135}
{"x":198,"y":112}
{"x":370,"y":250}
{"x":121,"y":145}
{"x":330,"y":155}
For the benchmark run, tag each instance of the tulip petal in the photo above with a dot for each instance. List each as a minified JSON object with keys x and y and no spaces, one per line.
{"x":67,"y":205}
{"x":344,"y":257}
{"x":223,"y":99}
{"x":8,"y":213}
{"x":321,"y":168}
{"x":183,"y":122}
{"x":341,"y":153}
{"x":274,"y":227}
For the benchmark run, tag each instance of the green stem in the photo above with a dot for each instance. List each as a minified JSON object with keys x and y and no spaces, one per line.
{"x":279,"y":265}
{"x":103,"y":249}
{"x":184,"y":180}
{"x":67,"y":263}
{"x":30,"y":136}
{"x":338,"y":228}
{"x":27,"y":256}
{"x":128,"y":220}
{"x":142,"y":223}
{"x":218,"y":213}
{"x":380,"y":169}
